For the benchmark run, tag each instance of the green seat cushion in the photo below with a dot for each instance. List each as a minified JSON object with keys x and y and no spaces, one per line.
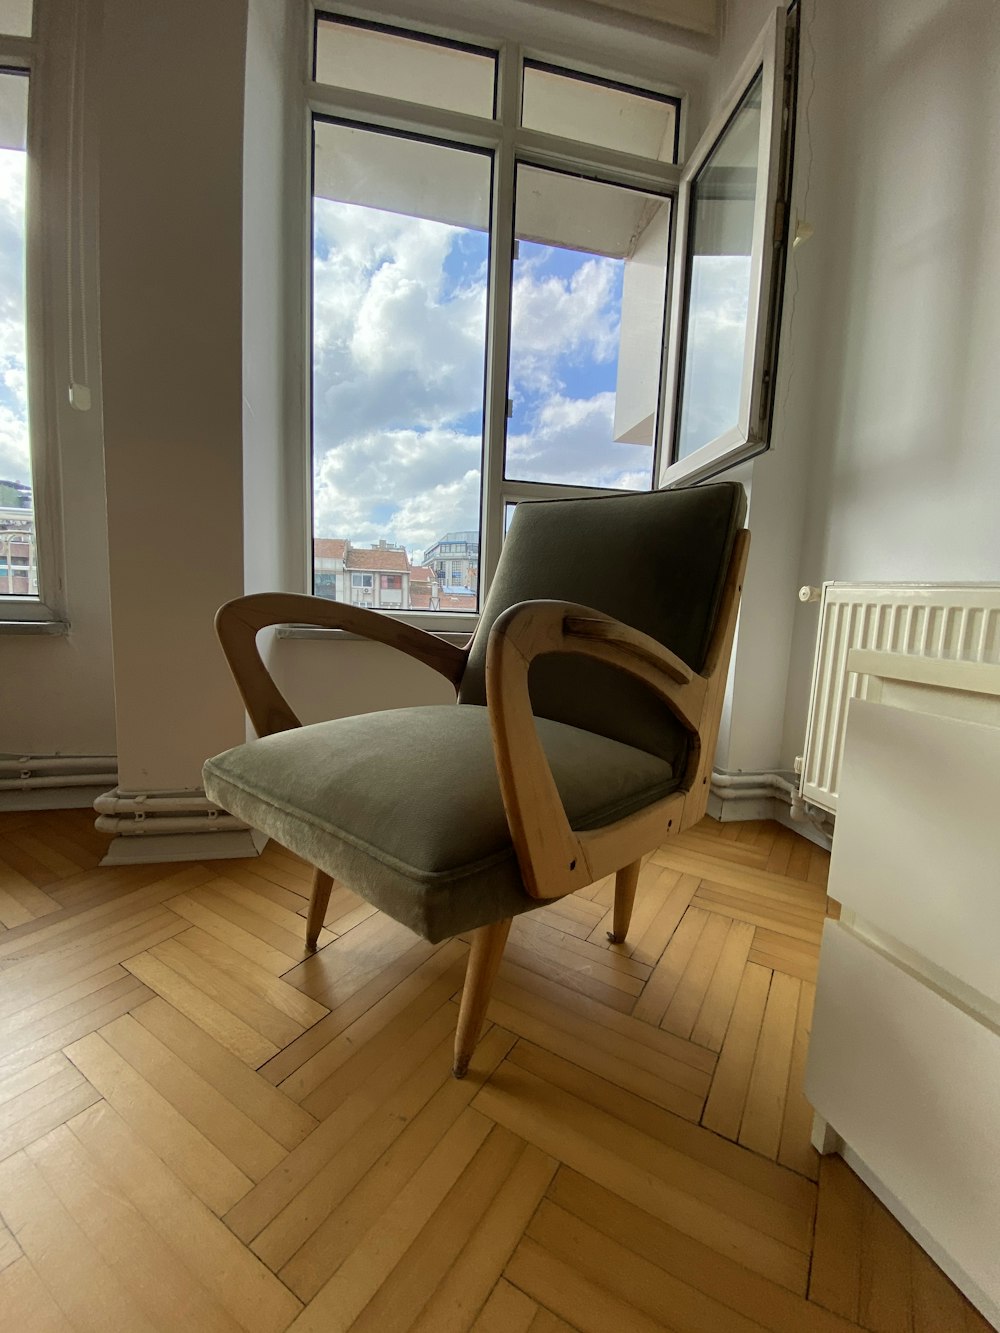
{"x":404,"y":806}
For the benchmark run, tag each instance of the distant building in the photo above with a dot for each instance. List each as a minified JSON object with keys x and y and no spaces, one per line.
{"x":18,"y":567}
{"x":328,"y":568}
{"x":424,"y":589}
{"x":454,"y":558}
{"x":378,"y":576}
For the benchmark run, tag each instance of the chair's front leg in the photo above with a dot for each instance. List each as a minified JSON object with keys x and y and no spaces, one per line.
{"x":625,"y":884}
{"x":484,"y":959}
{"x":318,"y":903}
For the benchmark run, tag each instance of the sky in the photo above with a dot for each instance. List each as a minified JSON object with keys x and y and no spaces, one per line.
{"x":399,"y":359}
{"x":15,"y":458}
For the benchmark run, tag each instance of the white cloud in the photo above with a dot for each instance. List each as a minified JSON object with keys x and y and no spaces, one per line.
{"x":572,"y":441}
{"x":15,"y":453}
{"x":558,"y":318}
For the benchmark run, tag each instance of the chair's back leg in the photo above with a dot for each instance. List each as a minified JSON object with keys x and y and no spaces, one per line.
{"x":484,"y":959}
{"x":318,"y":903}
{"x":625,"y":883}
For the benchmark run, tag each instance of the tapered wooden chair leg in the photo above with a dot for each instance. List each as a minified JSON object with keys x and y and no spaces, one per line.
{"x":484,"y":959}
{"x":625,"y":882}
{"x":318,"y":903}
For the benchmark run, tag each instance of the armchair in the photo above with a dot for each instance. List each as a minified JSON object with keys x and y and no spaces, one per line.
{"x":583,"y":734}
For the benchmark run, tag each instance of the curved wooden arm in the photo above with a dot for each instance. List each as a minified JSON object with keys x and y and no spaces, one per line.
{"x":554,"y":860}
{"x":239,"y":621}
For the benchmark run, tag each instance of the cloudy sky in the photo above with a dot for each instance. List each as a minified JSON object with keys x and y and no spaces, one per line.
{"x":399,"y":353}
{"x":15,"y":461}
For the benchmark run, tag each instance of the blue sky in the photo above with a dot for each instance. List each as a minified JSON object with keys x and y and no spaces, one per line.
{"x":15,"y":459}
{"x":399,"y":339}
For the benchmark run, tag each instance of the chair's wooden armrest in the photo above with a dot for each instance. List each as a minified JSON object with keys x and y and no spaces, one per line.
{"x":239,"y":621}
{"x":550,"y":854}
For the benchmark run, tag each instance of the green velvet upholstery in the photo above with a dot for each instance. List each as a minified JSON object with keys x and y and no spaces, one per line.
{"x":656,"y":562}
{"x":404,"y":806}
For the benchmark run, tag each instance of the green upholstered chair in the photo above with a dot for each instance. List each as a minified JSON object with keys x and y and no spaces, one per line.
{"x":588,"y":705}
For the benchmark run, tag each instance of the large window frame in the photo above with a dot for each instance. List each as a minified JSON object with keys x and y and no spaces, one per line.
{"x":56,"y":332}
{"x":512,"y":145}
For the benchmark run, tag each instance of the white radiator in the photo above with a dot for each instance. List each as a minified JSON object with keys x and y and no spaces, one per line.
{"x":959,"y":622}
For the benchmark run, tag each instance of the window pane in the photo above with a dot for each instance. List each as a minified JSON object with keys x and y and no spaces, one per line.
{"x":18,"y":562}
{"x":587,"y":331}
{"x":400,"y":263}
{"x":723,"y":198}
{"x":415,"y":69}
{"x":15,"y":17}
{"x":594,"y":111}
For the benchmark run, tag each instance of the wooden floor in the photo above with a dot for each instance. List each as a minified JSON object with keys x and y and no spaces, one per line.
{"x":201,"y":1128}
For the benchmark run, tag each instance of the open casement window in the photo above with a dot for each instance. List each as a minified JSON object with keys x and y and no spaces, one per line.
{"x":728,"y":257}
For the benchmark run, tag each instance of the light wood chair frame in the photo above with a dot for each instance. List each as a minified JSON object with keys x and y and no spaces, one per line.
{"x":554,"y":860}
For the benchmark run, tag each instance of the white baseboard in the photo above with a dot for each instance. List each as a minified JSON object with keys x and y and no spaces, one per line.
{"x":51,"y":798}
{"x":163,"y":847}
{"x":734,"y":808}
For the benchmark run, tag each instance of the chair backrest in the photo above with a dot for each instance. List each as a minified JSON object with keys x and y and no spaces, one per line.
{"x":657,"y":562}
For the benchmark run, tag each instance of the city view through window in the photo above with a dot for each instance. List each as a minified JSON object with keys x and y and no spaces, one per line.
{"x":18,"y":564}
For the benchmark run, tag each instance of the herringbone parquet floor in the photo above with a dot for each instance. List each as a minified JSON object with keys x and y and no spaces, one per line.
{"x":201,"y":1128}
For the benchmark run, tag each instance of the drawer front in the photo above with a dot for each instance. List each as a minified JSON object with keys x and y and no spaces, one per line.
{"x":912,"y":1084}
{"x":917,"y":850}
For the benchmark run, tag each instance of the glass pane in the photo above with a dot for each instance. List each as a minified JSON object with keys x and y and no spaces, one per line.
{"x":18,"y":559}
{"x":400,"y":264}
{"x":15,"y":17}
{"x":595,"y":111}
{"x":416,"y":69}
{"x":590,"y":276}
{"x":723,"y":198}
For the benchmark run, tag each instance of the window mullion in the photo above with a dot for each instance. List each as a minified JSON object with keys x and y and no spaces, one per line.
{"x":498,"y":333}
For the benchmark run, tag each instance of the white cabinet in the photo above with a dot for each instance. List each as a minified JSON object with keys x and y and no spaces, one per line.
{"x":904,"y":1064}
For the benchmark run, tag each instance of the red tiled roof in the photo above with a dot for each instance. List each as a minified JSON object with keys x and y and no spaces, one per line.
{"x":420,"y":574}
{"x":457,"y":601}
{"x":384,"y":560}
{"x":330,"y":548}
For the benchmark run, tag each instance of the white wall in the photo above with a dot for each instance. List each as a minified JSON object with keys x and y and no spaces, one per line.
{"x":900,"y":343}
{"x":171,"y":101}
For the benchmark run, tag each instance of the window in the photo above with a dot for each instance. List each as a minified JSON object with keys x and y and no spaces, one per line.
{"x":516,"y":293}
{"x":40,"y":278}
{"x":361,"y":580}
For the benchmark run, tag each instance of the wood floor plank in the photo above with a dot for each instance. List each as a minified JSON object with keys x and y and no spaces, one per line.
{"x":355,"y":1006}
{"x":218,"y":1021}
{"x":630,"y":1277}
{"x":571,"y":1295}
{"x":413,"y":1282}
{"x":835,"y":1276}
{"x":666,"y":977}
{"x":402,"y":1010}
{"x":722,"y":1213}
{"x":764,"y":1111}
{"x":795,"y":1150}
{"x":507,"y":1311}
{"x":724,"y":1107}
{"x":332,"y":975}
{"x":167,"y":1292}
{"x":720,"y":997}
{"x":207,"y":1172}
{"x":268,"y":1108}
{"x":768,"y":1304}
{"x":238,"y":1137}
{"x":463,"y":1292}
{"x":355,"y":1189}
{"x":27,"y":1303}
{"x":682,"y":1011}
{"x":246,"y":972}
{"x":343,"y":1297}
{"x":789,"y":1193}
{"x":885,"y":1301}
{"x":10,"y":1251}
{"x":237,"y":1280}
{"x":264,"y":955}
{"x":85,"y":1288}
{"x":59,"y":1028}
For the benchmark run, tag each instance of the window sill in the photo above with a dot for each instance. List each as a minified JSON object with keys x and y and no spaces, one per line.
{"x":459,"y":636}
{"x":33,"y":626}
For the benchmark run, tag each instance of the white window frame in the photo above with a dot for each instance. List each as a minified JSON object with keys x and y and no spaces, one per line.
{"x":769,"y":57}
{"x":49,"y":193}
{"x":512,"y":145}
